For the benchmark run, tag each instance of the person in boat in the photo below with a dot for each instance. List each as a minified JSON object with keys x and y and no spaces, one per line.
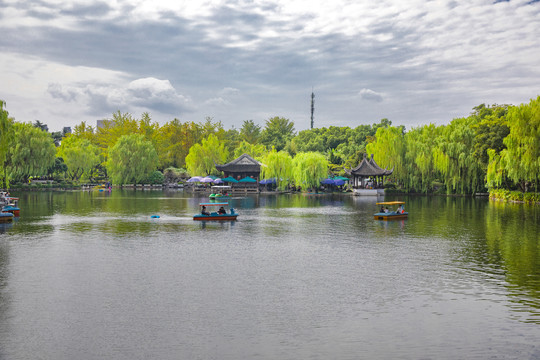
{"x":221,"y":211}
{"x":382,"y":209}
{"x":400,"y":209}
{"x":203,"y":211}
{"x":386,"y":210}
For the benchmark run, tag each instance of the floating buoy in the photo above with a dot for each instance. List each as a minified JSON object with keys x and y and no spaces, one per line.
{"x":155,"y":216}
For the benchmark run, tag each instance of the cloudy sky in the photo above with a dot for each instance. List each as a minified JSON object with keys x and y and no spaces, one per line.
{"x":414,"y":62}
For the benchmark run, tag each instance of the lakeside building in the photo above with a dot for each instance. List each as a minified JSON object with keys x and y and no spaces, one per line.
{"x":368,"y":177}
{"x":241,"y":167}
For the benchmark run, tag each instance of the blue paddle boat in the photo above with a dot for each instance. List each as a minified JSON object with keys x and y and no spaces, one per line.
{"x":220,"y":215}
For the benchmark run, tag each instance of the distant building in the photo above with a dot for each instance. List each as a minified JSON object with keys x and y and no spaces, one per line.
{"x":103,"y":123}
{"x":66,"y":130}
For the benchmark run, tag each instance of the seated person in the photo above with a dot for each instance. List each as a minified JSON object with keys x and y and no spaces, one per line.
{"x":386,"y":210}
{"x":204,"y":212}
{"x":221,"y":211}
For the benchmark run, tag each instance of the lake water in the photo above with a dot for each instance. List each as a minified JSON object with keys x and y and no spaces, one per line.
{"x":90,"y":275}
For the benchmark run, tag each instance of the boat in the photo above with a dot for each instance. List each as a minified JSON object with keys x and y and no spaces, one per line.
{"x":214,"y":215}
{"x":9,"y":204}
{"x":6,"y":217}
{"x":391,"y":215}
{"x":220,"y":192}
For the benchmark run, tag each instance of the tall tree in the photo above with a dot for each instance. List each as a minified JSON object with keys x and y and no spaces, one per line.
{"x":521,"y":159}
{"x":309,"y":169}
{"x":80,"y":156}
{"x":6,"y":139}
{"x":277,"y":132}
{"x":32,"y":152}
{"x":131,"y":159}
{"x":202,"y":158}
{"x":253,"y":150}
{"x":250,"y":132}
{"x":278,"y":165}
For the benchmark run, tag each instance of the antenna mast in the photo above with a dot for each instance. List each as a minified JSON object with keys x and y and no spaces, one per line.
{"x":312,"y":106}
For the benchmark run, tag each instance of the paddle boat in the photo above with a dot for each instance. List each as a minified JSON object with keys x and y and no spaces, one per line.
{"x":9,"y":204}
{"x":6,"y":217}
{"x":400,"y":213}
{"x":220,"y":192}
{"x":218,"y":215}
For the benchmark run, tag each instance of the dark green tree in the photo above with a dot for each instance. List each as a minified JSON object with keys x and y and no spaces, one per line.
{"x":277,"y":132}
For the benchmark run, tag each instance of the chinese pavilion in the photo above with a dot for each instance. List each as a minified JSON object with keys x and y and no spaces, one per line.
{"x":368,"y":169}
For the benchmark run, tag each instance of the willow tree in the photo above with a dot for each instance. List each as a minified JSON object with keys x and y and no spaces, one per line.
{"x":6,"y":138}
{"x":80,"y":156}
{"x":202,"y":158}
{"x":419,"y":166}
{"x":389,"y":150}
{"x":454,"y":157}
{"x":278,"y":165}
{"x":522,"y":156}
{"x":31,"y":154}
{"x":131,"y":160}
{"x":309,"y":168}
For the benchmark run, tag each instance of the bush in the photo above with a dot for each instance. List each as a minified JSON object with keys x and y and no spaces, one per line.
{"x":155,"y":178}
{"x":516,"y":196}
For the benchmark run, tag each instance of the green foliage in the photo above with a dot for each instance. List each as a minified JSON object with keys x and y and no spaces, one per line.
{"x":156,"y":177}
{"x":521,"y":159}
{"x":490,"y":131}
{"x":250,"y":132}
{"x":277,"y":132}
{"x":202,"y":158}
{"x":58,"y":169}
{"x":80,"y":157}
{"x":389,"y":150}
{"x":309,"y":169}
{"x":6,"y":139}
{"x":131,"y":159}
{"x":31,"y":153}
{"x":454,"y":158}
{"x":514,"y":196}
{"x":253,"y":150}
{"x":278,"y":165}
{"x":174,"y":175}
{"x":419,"y":164}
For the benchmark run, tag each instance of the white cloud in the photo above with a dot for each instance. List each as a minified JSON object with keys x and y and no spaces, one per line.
{"x":368,"y":94}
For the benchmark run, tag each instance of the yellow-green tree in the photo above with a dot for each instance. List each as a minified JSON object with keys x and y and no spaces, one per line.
{"x":80,"y":157}
{"x":278,"y":165}
{"x":31,"y":153}
{"x":253,"y":150}
{"x":388,"y":149}
{"x":309,"y":168}
{"x":131,"y":159}
{"x":202,"y":158}
{"x":521,"y":159}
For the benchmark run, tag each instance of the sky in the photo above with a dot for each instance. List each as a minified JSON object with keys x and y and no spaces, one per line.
{"x":414,"y":62}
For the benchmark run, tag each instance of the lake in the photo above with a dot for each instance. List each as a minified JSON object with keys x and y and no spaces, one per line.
{"x":91,"y":275}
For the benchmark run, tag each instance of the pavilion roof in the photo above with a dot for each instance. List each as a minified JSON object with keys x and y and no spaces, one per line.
{"x":244,"y":163}
{"x":368,"y":167}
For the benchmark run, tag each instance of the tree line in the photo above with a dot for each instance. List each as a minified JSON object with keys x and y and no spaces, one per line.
{"x":496,"y":146}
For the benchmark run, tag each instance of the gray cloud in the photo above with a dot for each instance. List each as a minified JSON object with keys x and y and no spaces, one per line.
{"x":442,"y":56}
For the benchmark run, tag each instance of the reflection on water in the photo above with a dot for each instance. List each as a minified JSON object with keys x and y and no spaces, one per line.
{"x":93,"y":275}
